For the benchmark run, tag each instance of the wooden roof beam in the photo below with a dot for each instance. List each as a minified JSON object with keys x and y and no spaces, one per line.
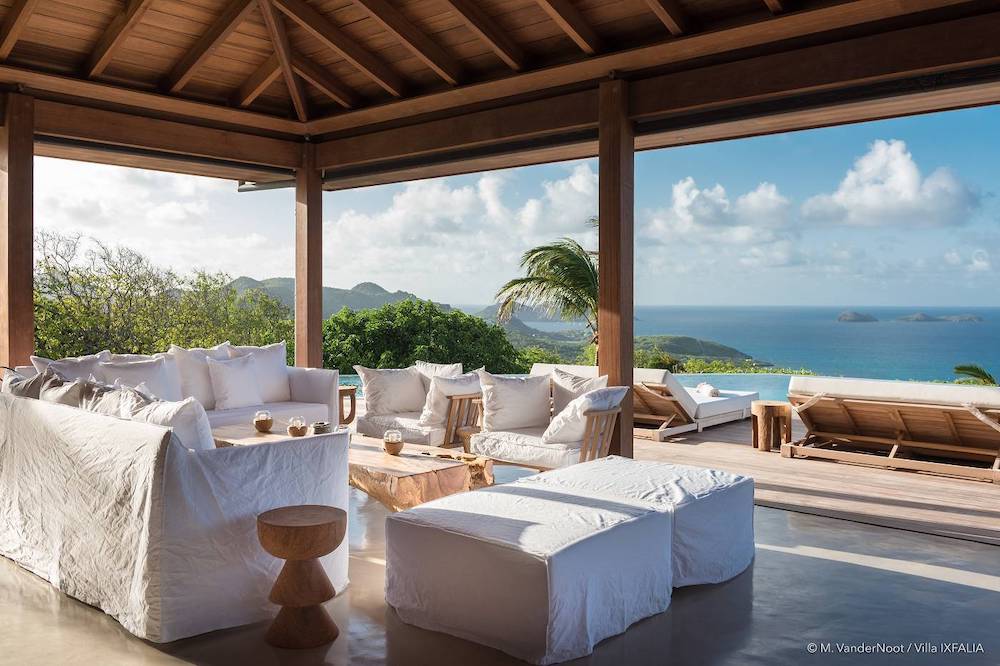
{"x":257,"y":83}
{"x":115,"y":35}
{"x":234,"y":14}
{"x":326,"y":83}
{"x":422,"y":46}
{"x":488,"y":31}
{"x":13,"y":24}
{"x":279,"y":39}
{"x":778,"y":6}
{"x":336,"y":39}
{"x":672,"y":16}
{"x":569,"y":19}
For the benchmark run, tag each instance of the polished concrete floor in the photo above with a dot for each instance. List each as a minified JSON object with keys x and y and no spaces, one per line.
{"x":815,"y":580}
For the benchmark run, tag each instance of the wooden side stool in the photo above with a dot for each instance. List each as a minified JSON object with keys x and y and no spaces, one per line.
{"x":348,"y":394}
{"x":300,"y":535}
{"x":771,"y":421}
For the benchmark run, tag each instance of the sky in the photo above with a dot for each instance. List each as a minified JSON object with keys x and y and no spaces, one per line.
{"x":896,"y":212}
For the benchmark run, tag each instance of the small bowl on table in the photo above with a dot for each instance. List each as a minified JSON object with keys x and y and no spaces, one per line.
{"x":392,"y":442}
{"x":297,"y":427}
{"x":263,"y":421}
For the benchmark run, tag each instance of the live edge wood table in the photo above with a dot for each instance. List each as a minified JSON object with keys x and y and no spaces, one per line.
{"x":301,"y":535}
{"x":418,"y":474}
{"x":771,"y":421}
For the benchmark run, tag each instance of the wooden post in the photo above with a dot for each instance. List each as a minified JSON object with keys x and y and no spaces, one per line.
{"x":616,"y":250}
{"x":17,"y":315}
{"x":308,"y":261}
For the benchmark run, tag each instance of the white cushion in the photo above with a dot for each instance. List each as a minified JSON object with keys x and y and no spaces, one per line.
{"x":62,"y":391}
{"x":441,"y":388}
{"x":514,"y":402}
{"x":391,"y":391}
{"x":897,"y":391}
{"x":186,"y":417}
{"x":78,"y":367}
{"x":234,"y":382}
{"x":525,"y":446}
{"x":566,"y":387}
{"x":160,"y":374}
{"x":727,"y":402}
{"x":272,"y":370}
{"x":120,"y":401}
{"x":570,"y":425}
{"x":650,"y":375}
{"x":25,"y":386}
{"x":281,"y":412}
{"x":407,"y":423}
{"x":713,"y":510}
{"x":430,"y":370}
{"x":193,"y":367}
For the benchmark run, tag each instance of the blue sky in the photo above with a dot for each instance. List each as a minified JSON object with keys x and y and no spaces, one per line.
{"x":897,"y":212}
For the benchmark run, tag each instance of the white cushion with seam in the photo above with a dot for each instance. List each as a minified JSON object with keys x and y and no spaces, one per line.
{"x":74,"y":367}
{"x":441,"y":388}
{"x":566,"y":387}
{"x":234,"y":382}
{"x":186,"y":417}
{"x":430,"y":370}
{"x":514,"y":402}
{"x":897,"y":391}
{"x":272,"y":369}
{"x":408,"y":423}
{"x":525,"y":446}
{"x":281,"y":412}
{"x":160,"y":374}
{"x":570,"y":425}
{"x":392,"y":390}
{"x":193,"y":367}
{"x":726,"y":402}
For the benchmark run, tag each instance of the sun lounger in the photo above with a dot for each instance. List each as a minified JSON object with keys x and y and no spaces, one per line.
{"x":944,"y":429}
{"x":660,"y":399}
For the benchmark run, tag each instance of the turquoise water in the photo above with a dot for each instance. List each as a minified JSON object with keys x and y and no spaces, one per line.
{"x":770,"y":387}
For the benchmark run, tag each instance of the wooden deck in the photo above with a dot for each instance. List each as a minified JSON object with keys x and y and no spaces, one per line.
{"x":905,"y":500}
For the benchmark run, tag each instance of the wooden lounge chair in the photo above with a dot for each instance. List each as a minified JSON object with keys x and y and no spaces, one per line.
{"x":660,"y":400}
{"x":945,"y":429}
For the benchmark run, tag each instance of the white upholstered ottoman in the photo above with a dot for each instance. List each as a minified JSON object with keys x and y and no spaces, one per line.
{"x":713,"y":510}
{"x":540,"y":573}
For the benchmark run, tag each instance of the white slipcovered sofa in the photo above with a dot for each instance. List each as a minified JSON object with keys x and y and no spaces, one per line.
{"x":124,"y":516}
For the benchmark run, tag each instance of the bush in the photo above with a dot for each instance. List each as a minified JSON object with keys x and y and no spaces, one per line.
{"x":531,"y":355}
{"x":397,"y":334}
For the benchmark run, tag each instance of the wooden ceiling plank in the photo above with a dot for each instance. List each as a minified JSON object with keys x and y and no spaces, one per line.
{"x":425,"y":48}
{"x":257,"y":82}
{"x":325,"y":82}
{"x":115,"y":35}
{"x":234,"y":14}
{"x":672,"y":16}
{"x":487,"y":30}
{"x":14,"y":23}
{"x":279,"y":38}
{"x":323,"y":29}
{"x":571,"y":21}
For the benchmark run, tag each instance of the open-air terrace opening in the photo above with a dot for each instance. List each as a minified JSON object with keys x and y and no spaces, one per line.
{"x":238,"y":502}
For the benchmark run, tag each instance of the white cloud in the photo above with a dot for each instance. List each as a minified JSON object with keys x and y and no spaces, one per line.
{"x":885,"y":186}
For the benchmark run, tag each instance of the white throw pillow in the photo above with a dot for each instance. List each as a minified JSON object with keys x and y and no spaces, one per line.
{"x":436,"y":407}
{"x":570,"y":425}
{"x":272,"y":370}
{"x":567,"y":387}
{"x":234,"y":382}
{"x":193,"y":367}
{"x":76,"y":367}
{"x":160,"y":374}
{"x":392,"y":391}
{"x":186,"y":417}
{"x":514,"y":402}
{"x":62,"y":391}
{"x":430,"y":370}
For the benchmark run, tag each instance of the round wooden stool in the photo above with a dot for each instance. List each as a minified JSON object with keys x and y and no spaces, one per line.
{"x":300,"y":535}
{"x":771,"y":421}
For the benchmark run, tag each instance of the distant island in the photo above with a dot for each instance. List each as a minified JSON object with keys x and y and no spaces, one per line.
{"x":855,"y":317}
{"x":924,"y":317}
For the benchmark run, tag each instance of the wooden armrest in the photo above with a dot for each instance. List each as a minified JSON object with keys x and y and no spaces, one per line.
{"x":464,"y":411}
{"x":349,"y":393}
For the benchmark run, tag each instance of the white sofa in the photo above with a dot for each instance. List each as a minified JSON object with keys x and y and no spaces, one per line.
{"x":696,"y":410}
{"x":123,"y":516}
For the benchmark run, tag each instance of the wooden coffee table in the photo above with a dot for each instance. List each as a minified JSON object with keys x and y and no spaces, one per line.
{"x":417,"y":475}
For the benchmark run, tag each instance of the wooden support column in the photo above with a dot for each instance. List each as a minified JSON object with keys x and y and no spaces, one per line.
{"x":616,"y":249}
{"x":308,"y":261}
{"x":17,"y":316}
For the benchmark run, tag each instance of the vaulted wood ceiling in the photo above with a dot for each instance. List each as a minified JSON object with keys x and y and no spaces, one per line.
{"x":306,"y":59}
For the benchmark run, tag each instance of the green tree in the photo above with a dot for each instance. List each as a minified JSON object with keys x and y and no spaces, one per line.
{"x":397,"y":334}
{"x":531,"y":355}
{"x":559,"y":278}
{"x":89,"y":296}
{"x":975,"y":374}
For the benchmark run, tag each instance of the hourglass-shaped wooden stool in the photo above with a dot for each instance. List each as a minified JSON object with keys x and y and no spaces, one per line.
{"x":300,"y":535}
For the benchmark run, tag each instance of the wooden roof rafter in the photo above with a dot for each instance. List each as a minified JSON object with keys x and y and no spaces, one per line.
{"x":115,"y":34}
{"x":487,"y":30}
{"x":283,"y":52}
{"x":232,"y":16}
{"x":671,"y":15}
{"x":14,"y":23}
{"x":572,"y":22}
{"x":778,"y":6}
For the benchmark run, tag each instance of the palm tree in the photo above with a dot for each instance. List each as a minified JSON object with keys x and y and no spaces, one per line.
{"x":977,"y":373}
{"x":559,"y":278}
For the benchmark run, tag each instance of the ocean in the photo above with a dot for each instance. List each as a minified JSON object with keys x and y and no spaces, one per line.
{"x":812,"y":338}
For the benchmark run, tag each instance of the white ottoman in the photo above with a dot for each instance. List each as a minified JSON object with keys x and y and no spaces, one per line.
{"x":540,"y":573}
{"x":713,"y":510}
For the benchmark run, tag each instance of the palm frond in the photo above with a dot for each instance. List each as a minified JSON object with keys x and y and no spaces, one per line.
{"x":977,"y":373}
